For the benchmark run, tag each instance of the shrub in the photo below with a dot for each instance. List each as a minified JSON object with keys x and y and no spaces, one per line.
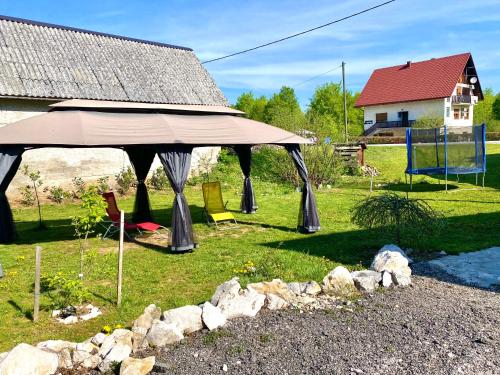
{"x":427,"y":122}
{"x":103,"y":185}
{"x":27,"y":196}
{"x":124,"y":179}
{"x":79,"y":186}
{"x":397,"y":214}
{"x":64,"y":290}
{"x":159,"y":180}
{"x":57,"y":194}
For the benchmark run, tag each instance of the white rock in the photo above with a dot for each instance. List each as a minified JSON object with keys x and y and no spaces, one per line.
{"x":25,"y":359}
{"x":274,"y":302}
{"x":55,"y":313}
{"x":338,"y":281}
{"x":162,"y":333}
{"x":367,"y":280}
{"x":56,"y":345}
{"x":276,"y":287}
{"x":224,"y":367}
{"x":231,"y":287}
{"x":86,"y":346}
{"x":153,"y":310}
{"x":235,"y":305}
{"x":187,"y":318}
{"x":122,"y":336}
{"x":98,"y":339}
{"x":311,"y":288}
{"x":137,"y":366}
{"x":212,"y":316}
{"x":392,"y":247}
{"x":386,"y":279}
{"x":72,"y":319}
{"x":391,"y":258}
{"x":116,"y":355}
{"x":401,"y":279}
{"x":94,"y":313}
{"x":106,"y":346}
{"x":86,"y":359}
{"x":3,"y":356}
{"x":294,"y":287}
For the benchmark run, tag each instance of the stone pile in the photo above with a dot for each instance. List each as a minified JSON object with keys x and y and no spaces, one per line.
{"x":71,"y":315}
{"x":156,"y":329}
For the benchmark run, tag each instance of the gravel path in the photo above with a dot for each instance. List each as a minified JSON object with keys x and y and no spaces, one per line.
{"x":432,"y":327}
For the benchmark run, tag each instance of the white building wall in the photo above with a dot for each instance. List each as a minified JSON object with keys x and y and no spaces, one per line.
{"x":416,"y":110}
{"x":58,"y":166}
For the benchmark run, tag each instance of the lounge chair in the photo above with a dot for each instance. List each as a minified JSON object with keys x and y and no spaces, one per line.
{"x":113,"y":225}
{"x":215,"y":208}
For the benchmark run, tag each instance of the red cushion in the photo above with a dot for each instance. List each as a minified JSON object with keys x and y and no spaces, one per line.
{"x":151,"y":227}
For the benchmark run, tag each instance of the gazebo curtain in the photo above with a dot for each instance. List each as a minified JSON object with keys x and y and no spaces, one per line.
{"x":10,"y":159}
{"x":248,"y":203}
{"x":141,"y":159}
{"x":176,"y":160}
{"x":308,"y":216}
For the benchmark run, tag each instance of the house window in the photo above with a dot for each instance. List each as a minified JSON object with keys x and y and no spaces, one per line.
{"x":381,"y":117}
{"x":465,"y":113}
{"x":447,"y":111}
{"x":448,"y":99}
{"x":456,"y":113}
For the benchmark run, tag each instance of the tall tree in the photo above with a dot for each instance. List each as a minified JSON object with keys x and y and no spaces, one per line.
{"x":483,"y":111}
{"x":496,"y":107}
{"x":252,"y":106}
{"x":283,"y":110}
{"x":326,"y":112}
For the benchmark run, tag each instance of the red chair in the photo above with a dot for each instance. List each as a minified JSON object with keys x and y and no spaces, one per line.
{"x":114,"y":223}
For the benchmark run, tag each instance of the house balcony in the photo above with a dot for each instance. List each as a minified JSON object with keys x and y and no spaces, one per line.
{"x":463,"y":99}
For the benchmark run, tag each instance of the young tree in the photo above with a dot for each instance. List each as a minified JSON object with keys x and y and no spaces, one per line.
{"x":483,"y":110}
{"x":36,"y":182}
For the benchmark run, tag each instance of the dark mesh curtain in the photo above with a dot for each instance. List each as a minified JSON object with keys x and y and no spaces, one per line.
{"x":248,"y":203}
{"x":308,"y":217}
{"x":141,"y":159}
{"x":176,"y":160}
{"x":10,"y":159}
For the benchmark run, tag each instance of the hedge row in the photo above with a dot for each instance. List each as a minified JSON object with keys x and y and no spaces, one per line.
{"x":490,"y":136}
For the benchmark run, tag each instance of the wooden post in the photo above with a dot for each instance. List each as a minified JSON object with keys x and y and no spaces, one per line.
{"x":120,"y":260}
{"x":38,"y":261}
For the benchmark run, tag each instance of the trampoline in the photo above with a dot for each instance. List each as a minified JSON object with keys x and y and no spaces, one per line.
{"x":449,"y":150}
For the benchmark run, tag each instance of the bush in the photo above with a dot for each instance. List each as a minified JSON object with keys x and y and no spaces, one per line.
{"x":397,"y":214}
{"x":159,"y":180}
{"x":124,"y":179}
{"x":79,"y":186}
{"x":57,"y":194}
{"x":64,"y":290}
{"x":103,"y":185}
{"x":27,"y":196}
{"x":323,"y":164}
{"x":428,"y":122}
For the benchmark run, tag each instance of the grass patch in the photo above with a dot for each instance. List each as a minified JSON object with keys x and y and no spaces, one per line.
{"x":471,"y":221}
{"x":213,"y":336}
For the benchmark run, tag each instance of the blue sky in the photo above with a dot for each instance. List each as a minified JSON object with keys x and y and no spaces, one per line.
{"x":391,"y":35}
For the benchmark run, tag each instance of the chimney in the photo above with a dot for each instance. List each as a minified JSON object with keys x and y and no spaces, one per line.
{"x":408,"y":64}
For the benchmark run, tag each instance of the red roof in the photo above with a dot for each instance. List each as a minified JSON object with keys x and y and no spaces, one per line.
{"x":424,"y":80}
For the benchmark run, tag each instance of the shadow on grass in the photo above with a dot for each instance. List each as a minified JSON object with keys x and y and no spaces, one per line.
{"x":27,"y":314}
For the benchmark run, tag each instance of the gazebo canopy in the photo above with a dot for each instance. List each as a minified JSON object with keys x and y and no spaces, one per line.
{"x":144,"y":130}
{"x":91,"y":128}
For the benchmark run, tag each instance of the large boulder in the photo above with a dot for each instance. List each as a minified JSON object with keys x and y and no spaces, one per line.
{"x":274,"y":302}
{"x":118,"y":337}
{"x":187,"y":318}
{"x":237,"y":304}
{"x":338,"y":281}
{"x":86,"y":360}
{"x":310,"y":288}
{"x":275,"y":287}
{"x":142,"y":325}
{"x":162,"y":333}
{"x":367,"y":280}
{"x":117,"y":354}
{"x":231,"y":287}
{"x":212,"y":316}
{"x":400,"y":278}
{"x":137,"y":366}
{"x":26,"y":359}
{"x":392,"y":259}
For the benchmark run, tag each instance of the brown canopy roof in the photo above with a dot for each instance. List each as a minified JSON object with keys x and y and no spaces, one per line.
{"x":129,"y":106}
{"x":76,"y":128}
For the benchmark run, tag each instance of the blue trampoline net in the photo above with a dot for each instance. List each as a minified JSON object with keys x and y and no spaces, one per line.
{"x":446,"y":150}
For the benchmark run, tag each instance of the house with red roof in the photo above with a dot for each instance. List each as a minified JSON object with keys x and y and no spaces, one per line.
{"x":445,"y":88}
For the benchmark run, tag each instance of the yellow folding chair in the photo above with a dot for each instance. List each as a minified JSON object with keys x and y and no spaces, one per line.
{"x":215,"y":208}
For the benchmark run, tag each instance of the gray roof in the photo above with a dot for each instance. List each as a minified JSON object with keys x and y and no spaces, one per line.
{"x":50,"y":61}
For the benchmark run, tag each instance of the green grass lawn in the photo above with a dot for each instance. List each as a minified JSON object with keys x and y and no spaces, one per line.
{"x":268,"y":239}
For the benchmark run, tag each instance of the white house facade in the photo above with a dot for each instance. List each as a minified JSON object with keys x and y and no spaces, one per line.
{"x":446,"y":89}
